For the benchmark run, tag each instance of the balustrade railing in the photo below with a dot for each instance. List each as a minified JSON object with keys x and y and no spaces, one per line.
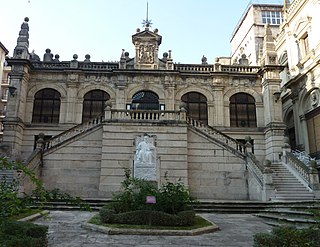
{"x":70,"y":133}
{"x":256,"y":169}
{"x":98,"y":66}
{"x":146,"y":115}
{"x":226,"y":141}
{"x":214,"y":68}
{"x":80,"y":65}
{"x":298,"y":166}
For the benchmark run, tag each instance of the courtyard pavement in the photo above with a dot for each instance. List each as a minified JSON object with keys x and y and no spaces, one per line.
{"x":65,"y":230}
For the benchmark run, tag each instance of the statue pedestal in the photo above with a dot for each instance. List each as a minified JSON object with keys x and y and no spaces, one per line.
{"x":145,"y":171}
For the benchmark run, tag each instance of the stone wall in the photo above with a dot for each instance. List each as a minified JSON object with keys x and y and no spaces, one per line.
{"x":214,"y":173}
{"x":75,"y":166}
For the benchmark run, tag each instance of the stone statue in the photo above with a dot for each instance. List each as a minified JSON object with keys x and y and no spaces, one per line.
{"x":145,"y":151}
{"x":145,"y":160}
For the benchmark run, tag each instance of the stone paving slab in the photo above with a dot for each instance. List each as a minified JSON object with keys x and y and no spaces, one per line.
{"x":65,"y":230}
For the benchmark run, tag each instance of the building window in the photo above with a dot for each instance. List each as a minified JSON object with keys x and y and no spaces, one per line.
{"x":145,"y":100}
{"x":93,"y":104}
{"x":305,"y":44}
{"x":242,"y":111}
{"x":196,"y":104}
{"x":272,"y":17}
{"x":313,"y":127}
{"x":46,"y":106}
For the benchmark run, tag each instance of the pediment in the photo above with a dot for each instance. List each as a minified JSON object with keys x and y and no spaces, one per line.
{"x":301,"y":26}
{"x":146,"y":36}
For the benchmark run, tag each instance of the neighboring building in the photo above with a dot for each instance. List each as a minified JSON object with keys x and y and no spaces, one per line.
{"x":247,"y":38}
{"x":218,"y":127}
{"x":298,"y":48}
{"x":4,"y":83}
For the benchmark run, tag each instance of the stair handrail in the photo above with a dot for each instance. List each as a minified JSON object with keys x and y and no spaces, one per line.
{"x":72,"y":132}
{"x":301,"y":168}
{"x":255,"y":167}
{"x":226,"y":141}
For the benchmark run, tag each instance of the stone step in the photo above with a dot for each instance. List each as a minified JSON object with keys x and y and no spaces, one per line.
{"x":298,"y":219}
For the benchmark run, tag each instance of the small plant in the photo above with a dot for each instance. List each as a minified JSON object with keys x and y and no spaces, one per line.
{"x":172,"y":207}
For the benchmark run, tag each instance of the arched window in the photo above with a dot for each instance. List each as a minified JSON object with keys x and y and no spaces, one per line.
{"x":196,"y":106}
{"x":242,"y":110}
{"x":46,"y":106}
{"x":93,"y":104}
{"x":145,"y":100}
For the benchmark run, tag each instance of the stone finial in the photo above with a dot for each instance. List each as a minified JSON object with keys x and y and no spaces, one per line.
{"x":34,"y":57}
{"x":56,"y":58}
{"x":165,"y":56}
{"x":156,"y":30}
{"x":243,"y":60}
{"x":269,"y":55}
{"x":21,"y":49}
{"x":48,"y":57}
{"x":204,"y":60}
{"x":138,"y":30}
{"x":87,"y":58}
{"x":268,"y":33}
{"x":75,"y":57}
{"x":126,"y":55}
{"x":286,"y":4}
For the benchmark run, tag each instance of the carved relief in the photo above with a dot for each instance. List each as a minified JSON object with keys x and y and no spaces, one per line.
{"x":314,"y":98}
{"x":146,"y":53}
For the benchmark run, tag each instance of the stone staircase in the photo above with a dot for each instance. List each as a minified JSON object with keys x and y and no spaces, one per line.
{"x":300,"y":218}
{"x":287,"y":186}
{"x":6,"y":175}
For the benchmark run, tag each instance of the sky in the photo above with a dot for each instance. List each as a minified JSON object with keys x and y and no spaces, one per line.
{"x":102,"y":28}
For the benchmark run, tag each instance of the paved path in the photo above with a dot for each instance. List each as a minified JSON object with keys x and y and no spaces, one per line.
{"x":236,"y":230}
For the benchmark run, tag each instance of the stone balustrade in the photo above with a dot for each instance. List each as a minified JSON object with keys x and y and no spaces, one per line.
{"x":68,"y":134}
{"x":144,"y":115}
{"x":293,"y":6}
{"x":200,"y":68}
{"x":226,"y":141}
{"x":299,"y":167}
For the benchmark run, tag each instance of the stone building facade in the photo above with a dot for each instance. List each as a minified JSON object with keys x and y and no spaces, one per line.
{"x":78,"y":124}
{"x":298,"y":48}
{"x":247,"y":37}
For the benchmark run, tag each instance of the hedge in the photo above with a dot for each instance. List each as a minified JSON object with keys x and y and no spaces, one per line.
{"x":23,"y":234}
{"x":147,"y":217}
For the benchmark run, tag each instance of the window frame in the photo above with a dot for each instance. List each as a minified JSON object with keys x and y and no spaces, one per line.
{"x":46,"y":109}
{"x":243,"y":113}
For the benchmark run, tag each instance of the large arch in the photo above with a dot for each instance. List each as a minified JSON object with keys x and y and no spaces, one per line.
{"x":242,"y":107}
{"x":46,"y":106}
{"x":145,"y":100}
{"x":197,"y":106}
{"x":258,"y":101}
{"x":93,"y":104}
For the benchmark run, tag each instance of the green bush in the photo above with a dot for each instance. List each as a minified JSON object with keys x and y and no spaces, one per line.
{"x":288,"y":236}
{"x":22,"y":234}
{"x":148,"y":217}
{"x":170,"y":198}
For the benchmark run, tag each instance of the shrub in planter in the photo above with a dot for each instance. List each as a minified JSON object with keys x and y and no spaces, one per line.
{"x":287,"y":236}
{"x":148,"y":217}
{"x":24,"y":234}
